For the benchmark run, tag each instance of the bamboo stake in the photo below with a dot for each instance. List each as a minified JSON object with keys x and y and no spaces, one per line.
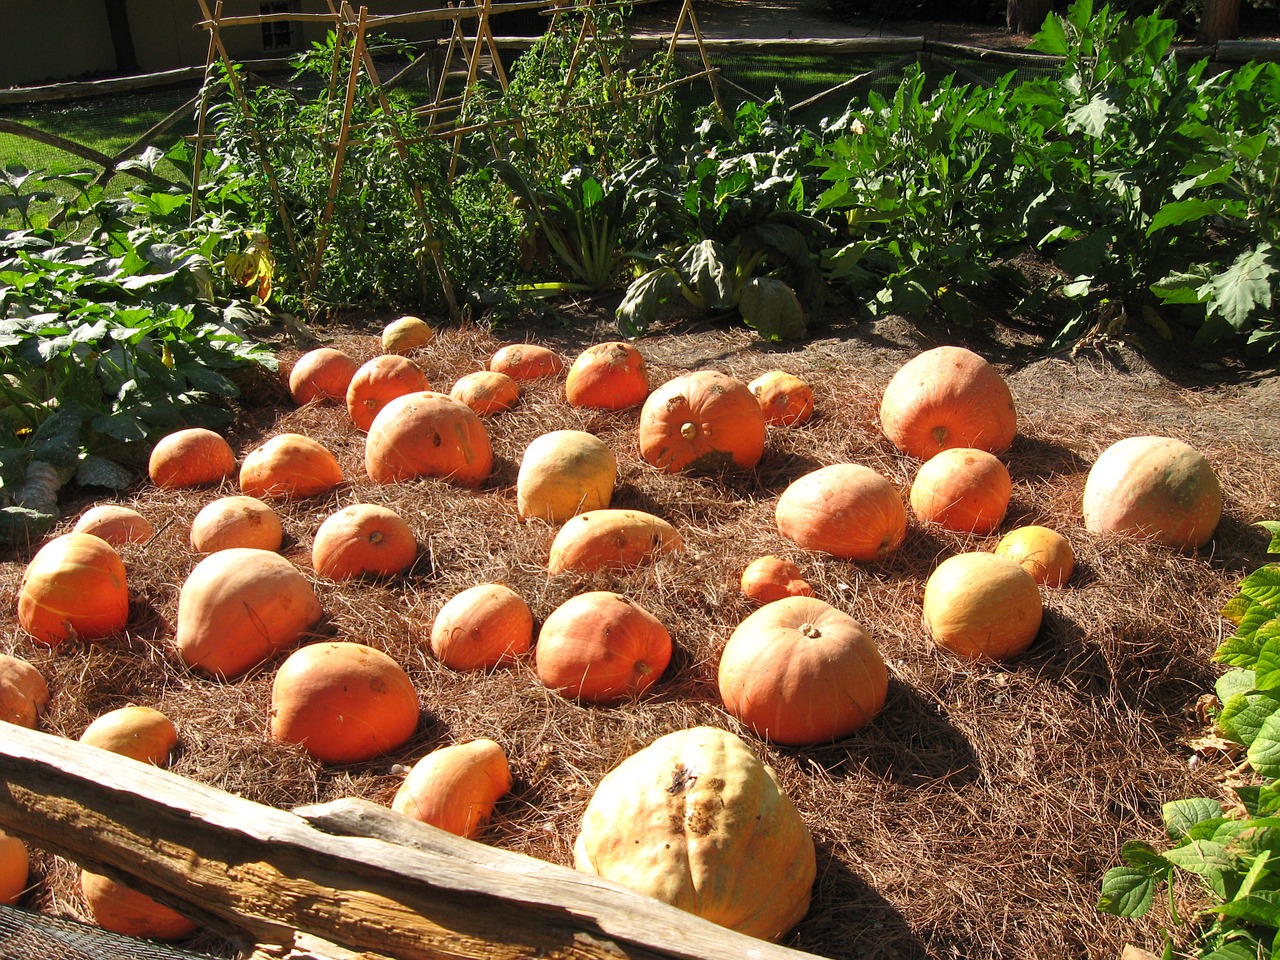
{"x":202,"y":118}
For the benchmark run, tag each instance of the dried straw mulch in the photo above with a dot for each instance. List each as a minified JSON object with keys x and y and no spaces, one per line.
{"x":973,"y":819}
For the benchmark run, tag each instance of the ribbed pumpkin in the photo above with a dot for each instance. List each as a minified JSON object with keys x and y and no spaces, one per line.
{"x":962,"y":489}
{"x":236,"y":521}
{"x":785,"y":399}
{"x":126,"y":911}
{"x":289,"y":465}
{"x":601,"y":647}
{"x":798,"y":671}
{"x":15,"y":868}
{"x":115,"y":523}
{"x":611,"y":539}
{"x":696,"y":820}
{"x":486,"y":392}
{"x":140,"y":733}
{"x":1042,"y":552}
{"x":769,"y":578}
{"x":23,"y":692}
{"x":526,"y":361}
{"x":378,"y":382}
{"x":1154,"y":488}
{"x":702,"y":422}
{"x":948,"y":397}
{"x":483,"y":627}
{"x":342,"y":702}
{"x":982,"y":606}
{"x":406,"y":334}
{"x":363,"y":540}
{"x":239,"y":606}
{"x":428,"y":435}
{"x":607,"y":376}
{"x":563,"y":473}
{"x":73,"y":587}
{"x":845,"y":509}
{"x":194,"y":457}
{"x":322,"y":375}
{"x":456,"y":788}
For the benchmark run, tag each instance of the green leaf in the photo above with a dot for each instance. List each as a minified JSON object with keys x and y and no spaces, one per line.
{"x":1272,"y":527}
{"x":1181,"y":815}
{"x":1237,"y":681}
{"x":1206,"y":859}
{"x":1264,"y":753}
{"x":1244,"y":287}
{"x":1243,"y":715}
{"x":1262,"y":907}
{"x":1260,"y":800}
{"x":1092,"y":117}
{"x":1127,"y":892}
{"x":57,"y":439}
{"x":1178,"y":212}
{"x":645,"y":299}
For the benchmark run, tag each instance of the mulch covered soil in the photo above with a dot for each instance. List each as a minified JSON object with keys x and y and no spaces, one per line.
{"x":973,"y":818}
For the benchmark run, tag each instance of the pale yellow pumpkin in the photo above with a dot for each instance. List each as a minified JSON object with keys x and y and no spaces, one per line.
{"x":564,"y":473}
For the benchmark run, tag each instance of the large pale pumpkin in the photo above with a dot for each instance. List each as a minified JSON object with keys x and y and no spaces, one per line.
{"x":963,"y":489}
{"x":696,"y":820}
{"x":563,"y":473}
{"x":798,"y":671}
{"x":138,"y":732}
{"x":1043,"y":552}
{"x":607,"y":376}
{"x":611,"y":539}
{"x":289,"y":465}
{"x":406,"y":334}
{"x":982,"y":606}
{"x":456,"y":787}
{"x":485,"y":626}
{"x":116,"y":524}
{"x":845,"y":509}
{"x":1153,"y":488}
{"x":236,"y":521}
{"x":239,"y":606}
{"x":526,"y":361}
{"x":702,"y":422}
{"x":24,"y":693}
{"x":486,"y":392}
{"x":193,"y":457}
{"x":948,"y":397}
{"x":73,"y":587}
{"x":428,"y":434}
{"x":378,"y":382}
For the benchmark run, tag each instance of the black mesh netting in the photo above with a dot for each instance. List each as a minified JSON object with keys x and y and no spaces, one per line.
{"x":33,"y":936}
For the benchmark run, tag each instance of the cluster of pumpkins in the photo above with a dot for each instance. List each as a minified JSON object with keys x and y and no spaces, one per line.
{"x":695,"y":819}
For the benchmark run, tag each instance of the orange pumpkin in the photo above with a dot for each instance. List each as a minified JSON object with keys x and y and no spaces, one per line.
{"x":342,"y":702}
{"x":611,"y":539}
{"x":982,"y":606}
{"x":289,"y":465}
{"x":320,"y":375}
{"x":563,"y":473}
{"x":236,"y":521}
{"x":704,"y":421}
{"x":486,"y":392}
{"x":239,"y":606}
{"x":380,"y":381}
{"x":1042,"y":552}
{"x":526,"y":361}
{"x":948,"y":397}
{"x":770,"y":578}
{"x":845,"y":509}
{"x":785,"y":399}
{"x":363,"y":540}
{"x":1153,"y":488}
{"x":140,"y":733}
{"x":482,"y":627}
{"x":455,"y":788}
{"x":600,"y":647}
{"x":799,"y":671}
{"x":607,"y":376}
{"x":126,"y":911}
{"x":15,"y":868}
{"x":428,"y":435}
{"x":962,"y":489}
{"x":73,"y":587}
{"x":23,"y":692}
{"x":406,"y":334}
{"x":115,"y":524}
{"x":194,"y":457}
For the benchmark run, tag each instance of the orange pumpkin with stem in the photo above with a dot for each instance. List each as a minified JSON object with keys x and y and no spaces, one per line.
{"x":428,"y":435}
{"x":948,"y":397}
{"x":140,"y":733}
{"x":607,"y":376}
{"x":486,"y":392}
{"x":785,"y":399}
{"x":342,"y":702}
{"x":845,"y":509}
{"x":73,"y":587}
{"x":704,"y":421}
{"x":15,"y":868}
{"x":982,"y":606}
{"x":798,"y":671}
{"x":962,"y":489}
{"x":378,"y":382}
{"x":115,"y":523}
{"x":485,"y":626}
{"x":321,"y":375}
{"x":129,"y":912}
{"x":526,"y":361}
{"x":236,"y":521}
{"x":363,"y":540}
{"x":456,"y":788}
{"x":289,"y":465}
{"x":611,"y":539}
{"x":600,"y":647}
{"x":1042,"y":552}
{"x":770,"y":578}
{"x":24,"y":693}
{"x":194,"y":457}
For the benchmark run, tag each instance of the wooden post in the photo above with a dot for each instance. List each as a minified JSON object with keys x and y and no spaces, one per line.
{"x":1026,"y":16}
{"x":1219,"y":20}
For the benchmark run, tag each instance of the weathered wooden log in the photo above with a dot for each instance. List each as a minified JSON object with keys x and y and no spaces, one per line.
{"x":284,"y":882}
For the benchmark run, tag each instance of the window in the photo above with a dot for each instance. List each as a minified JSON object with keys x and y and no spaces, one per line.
{"x":279,"y":34}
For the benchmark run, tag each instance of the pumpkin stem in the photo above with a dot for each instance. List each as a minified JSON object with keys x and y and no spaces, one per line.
{"x":689,"y":430}
{"x":375,"y":537}
{"x":810,"y":631}
{"x":939,"y":435}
